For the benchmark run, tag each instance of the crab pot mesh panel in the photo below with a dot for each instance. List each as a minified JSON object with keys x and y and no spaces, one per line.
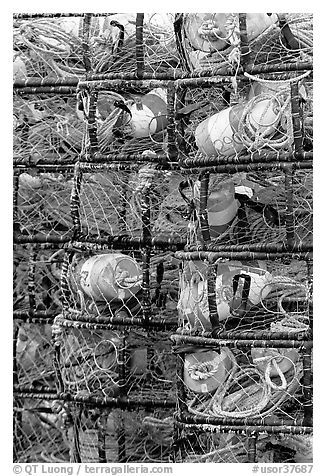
{"x":215,"y":447}
{"x":223,"y":41}
{"x":260,"y":385}
{"x":126,"y":37}
{"x":103,"y":285}
{"x":117,"y":435}
{"x":47,"y":127}
{"x":55,"y":47}
{"x":43,"y":204}
{"x":274,"y":208}
{"x":114,"y":202}
{"x":230,"y":122}
{"x":128,"y":119}
{"x":242,"y":296}
{"x":48,"y":47}
{"x":107,"y":363}
{"x":37,"y":279}
{"x":33,"y":362}
{"x":39,"y":433}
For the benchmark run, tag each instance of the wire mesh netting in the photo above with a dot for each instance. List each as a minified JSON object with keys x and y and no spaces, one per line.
{"x":251,"y":383}
{"x":244,"y":296}
{"x":37,"y":279}
{"x":210,"y":447}
{"x":163,"y":183}
{"x":112,"y":283}
{"x":228,"y":122}
{"x":46,"y":126}
{"x":121,"y":436}
{"x":249,"y":208}
{"x":107,"y":363}
{"x":54,"y":47}
{"x":100,"y":202}
{"x":38,"y":432}
{"x":221,"y":41}
{"x":33,"y":364}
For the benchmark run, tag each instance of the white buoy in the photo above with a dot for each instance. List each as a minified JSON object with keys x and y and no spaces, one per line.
{"x":193,"y":300}
{"x":218,"y":135}
{"x":205,"y":371}
{"x":222,"y":207}
{"x":211,"y":32}
{"x":285,"y":360}
{"x":108,"y":277}
{"x":149,"y":115}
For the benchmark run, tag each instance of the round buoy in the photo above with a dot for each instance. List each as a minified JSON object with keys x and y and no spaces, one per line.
{"x":222,"y":207}
{"x":211,"y":32}
{"x":218,"y":135}
{"x":149,"y":115}
{"x":108,"y":277}
{"x":205,"y":371}
{"x":284,"y":358}
{"x":253,"y":285}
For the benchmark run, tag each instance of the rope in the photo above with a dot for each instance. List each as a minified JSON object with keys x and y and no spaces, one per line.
{"x":282,"y":81}
{"x":273,"y":360}
{"x":253,"y":137}
{"x":203,"y":370}
{"x":262,"y":398}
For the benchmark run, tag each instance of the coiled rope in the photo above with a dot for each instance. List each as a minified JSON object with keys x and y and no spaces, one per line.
{"x":262,"y":398}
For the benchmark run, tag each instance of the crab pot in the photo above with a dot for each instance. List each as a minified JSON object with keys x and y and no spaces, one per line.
{"x":135,"y":121}
{"x":98,"y":363}
{"x":120,"y":436}
{"x":213,"y":41}
{"x":38,"y":432}
{"x":47,"y":127}
{"x":37,"y":275}
{"x":249,"y":208}
{"x":33,"y":355}
{"x":43,"y":206}
{"x":259,"y":384}
{"x":219,"y":135}
{"x":248,"y":295}
{"x":111,"y":276}
{"x":222,"y":125}
{"x":66,"y":46}
{"x":89,"y":362}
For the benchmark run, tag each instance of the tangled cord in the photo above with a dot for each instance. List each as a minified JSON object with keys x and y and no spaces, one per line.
{"x":75,"y":360}
{"x":260,"y":135}
{"x":52,"y":44}
{"x":263,"y":399}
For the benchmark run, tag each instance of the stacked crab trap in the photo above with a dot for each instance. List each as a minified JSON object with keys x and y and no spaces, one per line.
{"x":163,"y":237}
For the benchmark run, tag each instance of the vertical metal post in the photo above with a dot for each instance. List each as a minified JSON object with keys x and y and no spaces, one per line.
{"x":140,"y":45}
{"x":101,"y":435}
{"x":31,"y":279}
{"x":203,"y":216}
{"x":75,"y":202}
{"x":244,"y":43}
{"x":252,"y":447}
{"x":289,"y":214}
{"x":171,"y":125}
{"x":15,"y":198}
{"x":146,"y":253}
{"x":91,"y":122}
{"x":180,"y":98}
{"x":85,"y":42}
{"x":297,"y":119}
{"x":307,"y":381}
{"x":310,"y":283}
